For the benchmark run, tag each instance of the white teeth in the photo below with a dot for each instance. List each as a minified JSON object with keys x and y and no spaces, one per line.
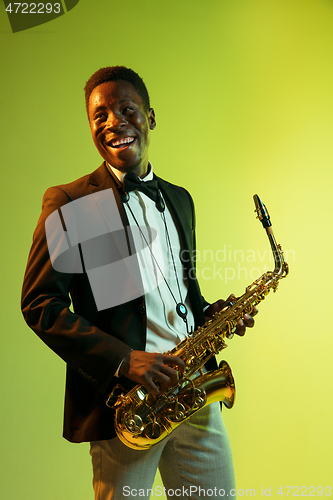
{"x":125,"y":140}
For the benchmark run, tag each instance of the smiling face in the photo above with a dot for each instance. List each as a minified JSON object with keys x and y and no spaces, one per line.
{"x":120,"y":126}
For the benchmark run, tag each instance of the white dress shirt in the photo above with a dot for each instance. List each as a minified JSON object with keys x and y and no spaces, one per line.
{"x":165,"y":329}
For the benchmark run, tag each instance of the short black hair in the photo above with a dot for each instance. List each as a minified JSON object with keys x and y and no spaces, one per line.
{"x":113,"y":73}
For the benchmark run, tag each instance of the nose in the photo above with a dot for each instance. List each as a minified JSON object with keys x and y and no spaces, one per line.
{"x":115,"y":121}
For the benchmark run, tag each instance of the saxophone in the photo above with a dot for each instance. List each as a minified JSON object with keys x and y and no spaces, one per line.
{"x":141,"y":419}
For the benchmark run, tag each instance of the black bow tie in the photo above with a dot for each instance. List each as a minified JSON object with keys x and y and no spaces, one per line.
{"x":149,"y":188}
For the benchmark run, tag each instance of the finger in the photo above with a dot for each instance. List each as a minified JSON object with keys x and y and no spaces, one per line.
{"x":254,"y":311}
{"x":162,"y":375}
{"x":172,"y":375}
{"x":156,"y":384}
{"x":162,"y":382}
{"x":174,"y":361}
{"x":213,"y":308}
{"x":223,"y":303}
{"x":231,"y":298}
{"x":217,"y":306}
{"x":240,"y":328}
{"x":248,"y":320}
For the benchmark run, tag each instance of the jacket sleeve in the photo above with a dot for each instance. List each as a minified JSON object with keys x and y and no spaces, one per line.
{"x":46,"y":303}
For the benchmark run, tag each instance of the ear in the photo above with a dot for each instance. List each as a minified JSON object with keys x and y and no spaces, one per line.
{"x":151,"y":119}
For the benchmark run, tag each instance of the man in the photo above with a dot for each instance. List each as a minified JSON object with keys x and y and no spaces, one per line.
{"x":123,"y":343}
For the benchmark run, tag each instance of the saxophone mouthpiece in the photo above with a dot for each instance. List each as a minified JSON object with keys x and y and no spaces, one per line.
{"x":262,"y":212}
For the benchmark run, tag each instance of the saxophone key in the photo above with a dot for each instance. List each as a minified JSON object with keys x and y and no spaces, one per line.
{"x":134,"y":424}
{"x":193,"y":399}
{"x":153,"y":430}
{"x":175,"y":412}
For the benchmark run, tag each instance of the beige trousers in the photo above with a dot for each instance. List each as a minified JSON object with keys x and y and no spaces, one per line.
{"x":195,"y":462}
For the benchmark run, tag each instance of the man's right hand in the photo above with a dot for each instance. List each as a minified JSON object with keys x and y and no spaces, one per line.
{"x":152,"y":370}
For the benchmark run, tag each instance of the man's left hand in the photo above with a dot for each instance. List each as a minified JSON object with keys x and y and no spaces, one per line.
{"x":246,"y":322}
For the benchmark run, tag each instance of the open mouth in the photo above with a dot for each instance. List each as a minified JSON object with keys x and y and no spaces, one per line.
{"x":122,"y":143}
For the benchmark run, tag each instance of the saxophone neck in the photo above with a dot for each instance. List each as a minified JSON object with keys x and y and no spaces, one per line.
{"x":281,"y":267}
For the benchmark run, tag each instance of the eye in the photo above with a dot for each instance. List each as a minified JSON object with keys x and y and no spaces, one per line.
{"x":100,"y":117}
{"x":127,"y":109}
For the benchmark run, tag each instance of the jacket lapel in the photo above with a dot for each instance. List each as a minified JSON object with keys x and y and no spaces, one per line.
{"x":181,"y":211}
{"x":102,"y":179}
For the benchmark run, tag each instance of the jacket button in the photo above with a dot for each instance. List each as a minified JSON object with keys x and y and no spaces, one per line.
{"x":142,"y":308}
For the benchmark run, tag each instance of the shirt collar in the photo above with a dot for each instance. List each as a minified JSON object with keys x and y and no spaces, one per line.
{"x":121,"y":175}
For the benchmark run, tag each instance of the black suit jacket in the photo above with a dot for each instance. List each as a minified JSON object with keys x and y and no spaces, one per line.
{"x":92,"y":342}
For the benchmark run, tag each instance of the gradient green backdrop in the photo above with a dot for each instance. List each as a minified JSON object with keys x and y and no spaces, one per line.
{"x":242,"y":91}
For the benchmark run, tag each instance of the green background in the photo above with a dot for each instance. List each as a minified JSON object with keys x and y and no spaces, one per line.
{"x":242,"y":91}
